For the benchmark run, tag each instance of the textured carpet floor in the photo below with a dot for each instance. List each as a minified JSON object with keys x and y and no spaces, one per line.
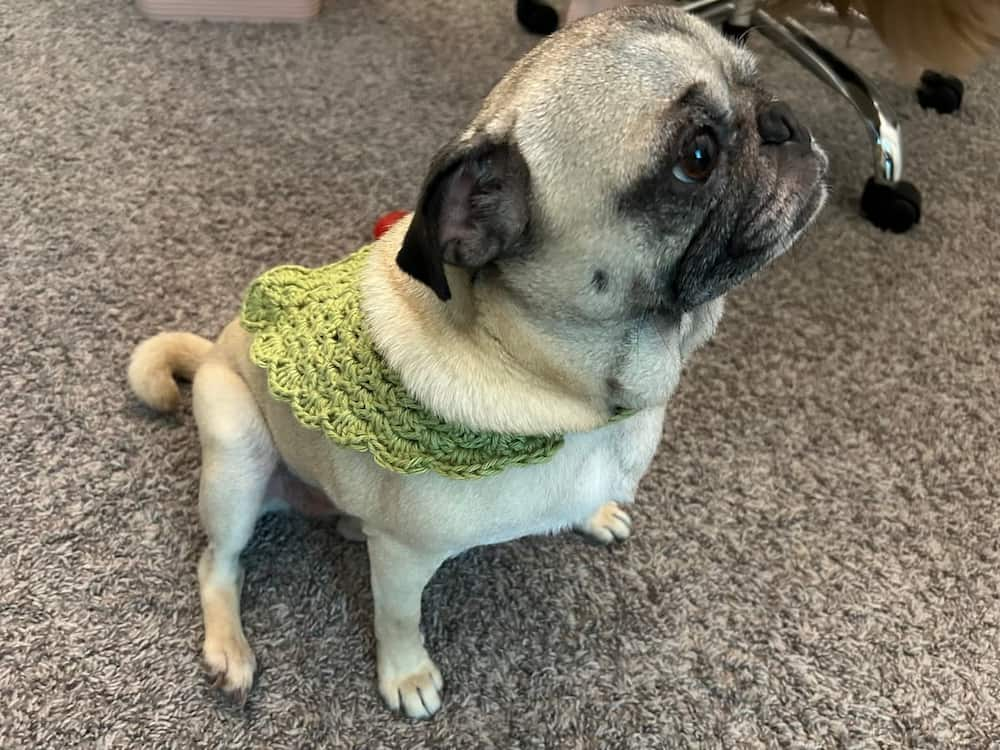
{"x":816,"y":561}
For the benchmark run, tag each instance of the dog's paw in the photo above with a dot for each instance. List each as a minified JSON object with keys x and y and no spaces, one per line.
{"x":416,"y":694}
{"x":609,"y":524}
{"x":230,"y":665}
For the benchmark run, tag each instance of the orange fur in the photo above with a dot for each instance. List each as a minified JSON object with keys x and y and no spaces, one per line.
{"x":950,"y":36}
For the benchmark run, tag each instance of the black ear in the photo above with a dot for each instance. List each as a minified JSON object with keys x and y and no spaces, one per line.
{"x":473,"y":209}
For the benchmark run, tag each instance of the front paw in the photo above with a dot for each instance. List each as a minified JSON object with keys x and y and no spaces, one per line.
{"x":231,"y":665}
{"x":609,"y":524}
{"x":415,"y":692}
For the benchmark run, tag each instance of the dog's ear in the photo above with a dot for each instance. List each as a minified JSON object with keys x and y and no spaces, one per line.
{"x":474,"y":209}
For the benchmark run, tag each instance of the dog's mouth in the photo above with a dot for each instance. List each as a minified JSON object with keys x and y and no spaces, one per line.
{"x":724,"y":252}
{"x":778,"y":220}
{"x":816,"y":192}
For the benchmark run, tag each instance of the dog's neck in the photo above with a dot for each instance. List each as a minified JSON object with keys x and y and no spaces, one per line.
{"x":473,"y":360}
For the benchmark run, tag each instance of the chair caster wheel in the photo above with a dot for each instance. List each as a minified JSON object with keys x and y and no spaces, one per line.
{"x":893,"y":207}
{"x":537,"y":17}
{"x":939,"y":92}
{"x":736,"y":32}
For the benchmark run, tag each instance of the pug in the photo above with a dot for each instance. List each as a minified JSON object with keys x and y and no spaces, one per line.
{"x":568,"y":252}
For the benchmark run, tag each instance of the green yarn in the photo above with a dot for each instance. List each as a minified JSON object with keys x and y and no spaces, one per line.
{"x":309,"y":334}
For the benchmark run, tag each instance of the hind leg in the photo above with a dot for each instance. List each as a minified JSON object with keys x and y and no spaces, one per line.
{"x":238,"y":458}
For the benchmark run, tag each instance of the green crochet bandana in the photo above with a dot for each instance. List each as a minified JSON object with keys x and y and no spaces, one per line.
{"x":309,"y":334}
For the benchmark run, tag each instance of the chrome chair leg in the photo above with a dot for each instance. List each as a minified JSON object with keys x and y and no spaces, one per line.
{"x":700,"y":7}
{"x":743,"y":12}
{"x":888,"y":201}
{"x":880,"y":121}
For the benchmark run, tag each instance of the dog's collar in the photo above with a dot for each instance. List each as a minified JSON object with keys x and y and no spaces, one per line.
{"x":309,"y":333}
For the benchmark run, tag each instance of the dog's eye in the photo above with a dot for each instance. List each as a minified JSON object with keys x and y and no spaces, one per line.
{"x":698,"y":159}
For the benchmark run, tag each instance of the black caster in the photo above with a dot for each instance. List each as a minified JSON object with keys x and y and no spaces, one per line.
{"x":537,"y":17}
{"x":940,"y":92}
{"x":736,"y":32}
{"x":893,"y":207}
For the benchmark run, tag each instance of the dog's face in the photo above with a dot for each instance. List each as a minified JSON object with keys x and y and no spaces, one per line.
{"x":630,"y":165}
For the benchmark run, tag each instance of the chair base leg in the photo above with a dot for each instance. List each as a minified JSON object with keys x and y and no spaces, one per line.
{"x":887,"y":201}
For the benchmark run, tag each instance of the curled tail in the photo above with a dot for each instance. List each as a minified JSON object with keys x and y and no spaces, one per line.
{"x":158,"y":360}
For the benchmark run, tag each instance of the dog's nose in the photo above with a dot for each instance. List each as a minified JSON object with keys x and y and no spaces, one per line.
{"x":778,"y":125}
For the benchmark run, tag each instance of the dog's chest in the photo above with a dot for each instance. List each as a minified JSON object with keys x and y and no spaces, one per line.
{"x":590,"y":470}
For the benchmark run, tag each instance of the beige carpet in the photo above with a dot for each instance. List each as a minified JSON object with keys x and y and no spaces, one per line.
{"x":816,"y":561}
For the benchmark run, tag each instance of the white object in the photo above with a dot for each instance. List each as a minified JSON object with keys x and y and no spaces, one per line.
{"x":261,"y":11}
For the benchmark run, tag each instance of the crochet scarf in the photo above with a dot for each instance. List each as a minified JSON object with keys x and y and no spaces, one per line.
{"x":310,"y":335}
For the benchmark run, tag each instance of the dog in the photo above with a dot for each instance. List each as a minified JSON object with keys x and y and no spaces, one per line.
{"x":570,"y":249}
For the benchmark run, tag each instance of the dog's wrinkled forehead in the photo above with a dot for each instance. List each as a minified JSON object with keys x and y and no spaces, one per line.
{"x":603,"y":91}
